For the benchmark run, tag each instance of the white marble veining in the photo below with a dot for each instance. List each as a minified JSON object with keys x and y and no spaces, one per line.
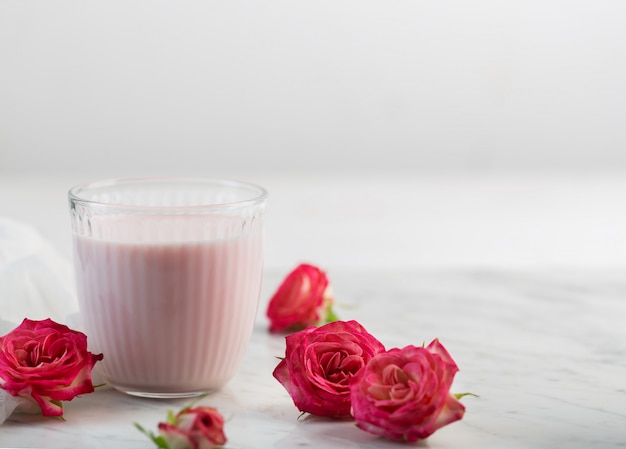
{"x":545,"y":352}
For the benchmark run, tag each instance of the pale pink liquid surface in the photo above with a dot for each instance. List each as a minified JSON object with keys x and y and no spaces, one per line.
{"x":171,"y":317}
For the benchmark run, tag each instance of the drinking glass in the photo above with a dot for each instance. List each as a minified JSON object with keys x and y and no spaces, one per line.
{"x":168,"y":275}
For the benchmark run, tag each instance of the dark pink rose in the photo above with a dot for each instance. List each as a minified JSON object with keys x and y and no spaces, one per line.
{"x":194,"y":428}
{"x":319,"y":363}
{"x":46,"y":362}
{"x":404,"y":394}
{"x":303,"y":299}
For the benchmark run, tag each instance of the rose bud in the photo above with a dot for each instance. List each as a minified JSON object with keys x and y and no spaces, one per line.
{"x":194,"y":428}
{"x":319,"y":363}
{"x":404,"y":394}
{"x":303,"y":299}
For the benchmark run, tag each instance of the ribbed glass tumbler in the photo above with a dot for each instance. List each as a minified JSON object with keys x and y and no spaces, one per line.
{"x":168,"y":274}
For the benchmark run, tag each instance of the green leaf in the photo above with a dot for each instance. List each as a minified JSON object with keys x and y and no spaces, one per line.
{"x":147,"y":433}
{"x":460,"y":395}
{"x":331,"y":315}
{"x":171,"y":417}
{"x":158,"y":440}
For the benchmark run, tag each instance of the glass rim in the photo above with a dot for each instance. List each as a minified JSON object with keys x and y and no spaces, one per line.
{"x":74,"y":193}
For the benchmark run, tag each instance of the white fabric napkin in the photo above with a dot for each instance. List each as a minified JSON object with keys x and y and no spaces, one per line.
{"x":10,"y":404}
{"x":36,"y":282}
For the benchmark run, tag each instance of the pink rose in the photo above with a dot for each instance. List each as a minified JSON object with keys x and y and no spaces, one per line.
{"x":404,"y":394}
{"x":303,"y":299}
{"x":319,"y":363}
{"x":194,"y":428}
{"x":46,"y":362}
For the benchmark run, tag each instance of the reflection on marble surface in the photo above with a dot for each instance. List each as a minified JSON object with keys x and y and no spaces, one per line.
{"x":545,"y":352}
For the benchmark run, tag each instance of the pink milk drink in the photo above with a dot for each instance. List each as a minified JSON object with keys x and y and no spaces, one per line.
{"x":168,"y":274}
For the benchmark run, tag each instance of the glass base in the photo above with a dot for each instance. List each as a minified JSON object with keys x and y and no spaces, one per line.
{"x":157,"y":395}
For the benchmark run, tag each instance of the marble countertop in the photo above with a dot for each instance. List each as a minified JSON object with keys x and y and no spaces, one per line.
{"x":545,"y":352}
{"x":522,"y":278}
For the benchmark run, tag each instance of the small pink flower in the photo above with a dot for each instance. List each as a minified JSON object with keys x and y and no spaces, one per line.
{"x":319,"y":363}
{"x":404,"y":394}
{"x":303,"y":299}
{"x":194,"y":428}
{"x":47,"y":363}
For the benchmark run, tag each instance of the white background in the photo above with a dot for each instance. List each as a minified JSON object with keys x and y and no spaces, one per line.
{"x":210,"y":86}
{"x":395,"y":133}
